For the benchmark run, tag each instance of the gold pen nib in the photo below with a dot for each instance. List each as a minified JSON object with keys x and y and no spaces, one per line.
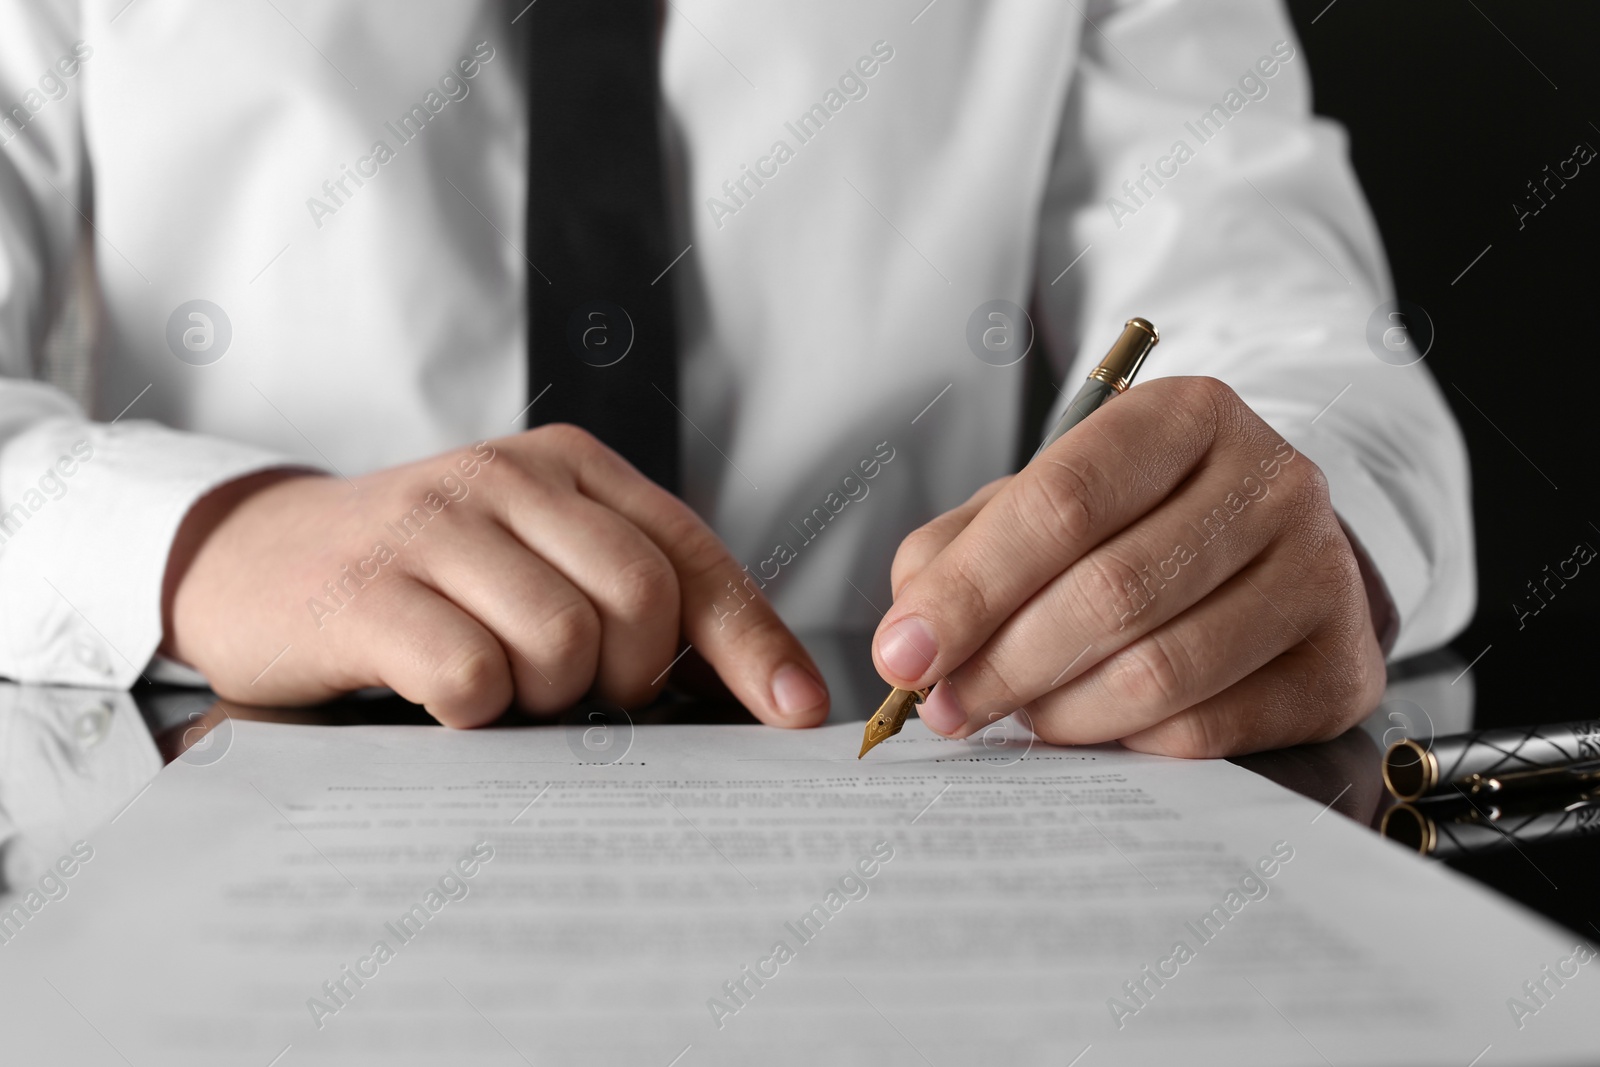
{"x":890,"y":717}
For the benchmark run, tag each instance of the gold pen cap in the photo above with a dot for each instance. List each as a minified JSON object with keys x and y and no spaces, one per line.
{"x":1410,"y":770}
{"x":1139,"y":336}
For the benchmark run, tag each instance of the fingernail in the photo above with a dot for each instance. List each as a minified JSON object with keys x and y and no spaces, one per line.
{"x":794,"y":690}
{"x":908,"y":649}
{"x":941,"y":712}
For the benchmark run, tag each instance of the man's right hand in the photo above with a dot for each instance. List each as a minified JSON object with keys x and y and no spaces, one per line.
{"x":528,"y":571}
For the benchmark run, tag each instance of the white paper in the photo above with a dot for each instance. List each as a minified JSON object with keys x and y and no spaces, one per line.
{"x":630,"y":880}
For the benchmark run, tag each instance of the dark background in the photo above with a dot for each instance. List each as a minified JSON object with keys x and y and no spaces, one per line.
{"x":1452,"y":107}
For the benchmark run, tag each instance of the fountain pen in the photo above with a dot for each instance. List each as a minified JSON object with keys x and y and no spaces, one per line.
{"x":1114,"y":375}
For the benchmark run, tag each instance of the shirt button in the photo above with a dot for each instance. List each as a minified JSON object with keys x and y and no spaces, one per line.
{"x":91,"y":656}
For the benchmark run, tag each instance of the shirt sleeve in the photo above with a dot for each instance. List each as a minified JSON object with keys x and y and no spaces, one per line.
{"x":1193,"y":186}
{"x":88,"y":510}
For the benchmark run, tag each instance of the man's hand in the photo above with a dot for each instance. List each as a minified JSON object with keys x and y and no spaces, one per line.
{"x":527,"y":571}
{"x":1170,"y":574}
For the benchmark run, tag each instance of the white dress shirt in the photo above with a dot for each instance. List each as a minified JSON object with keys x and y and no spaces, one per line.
{"x":994,"y":152}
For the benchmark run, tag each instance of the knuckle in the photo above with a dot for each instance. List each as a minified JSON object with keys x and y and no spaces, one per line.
{"x":1053,"y":729}
{"x":569,"y":633}
{"x":1362,"y":677}
{"x":566,"y":439}
{"x":1065,"y":500}
{"x":523,"y":479}
{"x":1344,"y":694}
{"x":985,"y":691}
{"x":1354,"y":682}
{"x":1318,"y":561}
{"x":930,"y":537}
{"x":1328,"y":570}
{"x":1202,"y":390}
{"x":1109,"y":581}
{"x":1150,"y":673}
{"x":697,"y":553}
{"x":472,"y":673}
{"x":1197,"y":735}
{"x":1339,"y":689}
{"x":1344,"y":574}
{"x":1210,"y":401}
{"x":644,"y":589}
{"x":1373,"y":675}
{"x":919,"y":546}
{"x":703,"y":565}
{"x":1306,"y":485}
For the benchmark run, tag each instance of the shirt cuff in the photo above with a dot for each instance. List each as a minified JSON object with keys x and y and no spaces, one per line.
{"x":88,"y":513}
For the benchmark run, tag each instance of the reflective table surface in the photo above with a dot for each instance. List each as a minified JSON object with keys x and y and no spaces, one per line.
{"x":74,"y":759}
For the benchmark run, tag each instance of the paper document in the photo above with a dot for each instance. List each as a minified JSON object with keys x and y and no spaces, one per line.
{"x":685,"y":895}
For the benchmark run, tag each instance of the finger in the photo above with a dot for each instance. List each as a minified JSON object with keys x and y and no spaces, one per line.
{"x":1214,"y":525}
{"x":1292,"y":597}
{"x":1294,"y":699}
{"x":620,"y":571}
{"x":1119,"y":463}
{"x":434,"y":654}
{"x":723,"y":613}
{"x":924,"y":543}
{"x":1199,"y":653}
{"x":548,"y":628}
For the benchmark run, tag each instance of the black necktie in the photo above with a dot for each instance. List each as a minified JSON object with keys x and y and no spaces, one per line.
{"x":602,"y":343}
